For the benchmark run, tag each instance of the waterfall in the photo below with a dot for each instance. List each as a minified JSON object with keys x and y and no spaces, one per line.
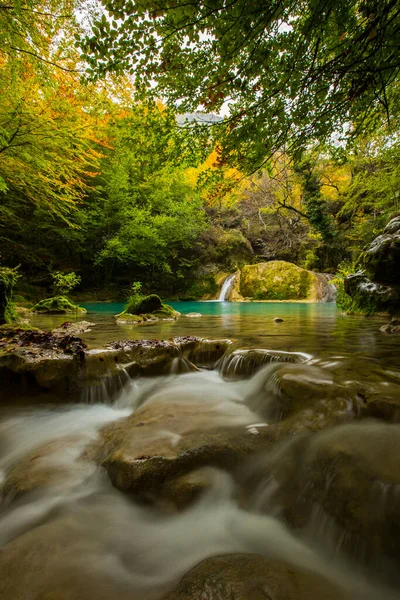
{"x":226,"y":288}
{"x":327,"y":291}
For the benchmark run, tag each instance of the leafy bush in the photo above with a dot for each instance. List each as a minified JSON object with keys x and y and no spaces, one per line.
{"x":8,"y":279}
{"x":135,"y":298}
{"x":63,"y":283}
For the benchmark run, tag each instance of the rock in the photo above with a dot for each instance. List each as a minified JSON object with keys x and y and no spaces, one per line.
{"x":252,"y":577}
{"x":376,"y":288}
{"x":58,"y":305}
{"x":370,"y":297}
{"x":278,"y":280}
{"x":343,"y":482}
{"x":392,"y":327}
{"x":56,"y":550}
{"x":69,"y":328}
{"x":147,"y":310}
{"x":193,"y":314}
{"x":381,"y":260}
{"x":149,"y":304}
{"x":278,"y":320}
{"x":244,"y":363}
{"x":158,"y":449}
{"x":33,"y":361}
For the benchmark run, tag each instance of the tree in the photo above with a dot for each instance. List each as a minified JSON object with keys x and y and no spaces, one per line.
{"x":290,"y":71}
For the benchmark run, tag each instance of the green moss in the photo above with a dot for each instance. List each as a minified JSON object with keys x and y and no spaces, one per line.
{"x":166,"y":312}
{"x":8,"y":279}
{"x":148,"y":304}
{"x":277,"y":280}
{"x":57,"y":305}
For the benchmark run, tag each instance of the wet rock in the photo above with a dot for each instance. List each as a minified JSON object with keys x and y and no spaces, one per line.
{"x":376,"y":288}
{"x":47,"y":467}
{"x":392,"y":327}
{"x":193,"y":315}
{"x":252,"y":577}
{"x":153,"y":452}
{"x":244,"y":363}
{"x":341,"y":485}
{"x":278,"y":320}
{"x":369,"y":296}
{"x":62,"y":364}
{"x":69,"y":328}
{"x":382,"y":258}
{"x":55,"y":550}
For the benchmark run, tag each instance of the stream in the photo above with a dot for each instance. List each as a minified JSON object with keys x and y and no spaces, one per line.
{"x":70,"y":529}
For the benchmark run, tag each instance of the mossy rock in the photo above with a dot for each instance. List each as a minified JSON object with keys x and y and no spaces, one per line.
{"x":59,"y":305}
{"x":149,"y":304}
{"x":277,"y":280}
{"x":163,"y":312}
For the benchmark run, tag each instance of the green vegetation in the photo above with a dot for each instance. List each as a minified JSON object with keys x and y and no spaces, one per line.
{"x":102,"y":184}
{"x":145,"y":308}
{"x":8,"y":279}
{"x":63,"y":283}
{"x":57,"y":305}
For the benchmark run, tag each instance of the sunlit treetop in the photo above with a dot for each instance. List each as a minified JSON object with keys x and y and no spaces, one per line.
{"x":289,"y":71}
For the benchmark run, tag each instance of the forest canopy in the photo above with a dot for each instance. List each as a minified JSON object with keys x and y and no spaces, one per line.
{"x":290,"y":73}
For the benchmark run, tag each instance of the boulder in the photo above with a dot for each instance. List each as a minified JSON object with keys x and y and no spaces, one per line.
{"x":252,"y":577}
{"x":376,"y":287}
{"x":370,"y":297}
{"x":381,"y":259}
{"x":392,"y":327}
{"x":278,"y":280}
{"x":58,"y":305}
{"x":157,"y":452}
{"x":193,"y":315}
{"x":150,"y":308}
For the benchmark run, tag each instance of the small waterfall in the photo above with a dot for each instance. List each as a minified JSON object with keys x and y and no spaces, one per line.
{"x":327,"y":291}
{"x":226,"y":288}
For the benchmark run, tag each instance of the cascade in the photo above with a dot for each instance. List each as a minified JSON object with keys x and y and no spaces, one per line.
{"x":226,"y":288}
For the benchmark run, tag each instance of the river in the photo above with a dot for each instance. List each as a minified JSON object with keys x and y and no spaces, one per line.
{"x":66,"y":533}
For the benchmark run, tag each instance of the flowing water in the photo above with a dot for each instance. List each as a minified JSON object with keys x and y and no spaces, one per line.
{"x":66,"y":533}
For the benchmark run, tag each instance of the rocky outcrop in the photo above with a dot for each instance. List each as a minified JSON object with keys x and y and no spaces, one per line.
{"x":376,"y":287}
{"x":281,"y":280}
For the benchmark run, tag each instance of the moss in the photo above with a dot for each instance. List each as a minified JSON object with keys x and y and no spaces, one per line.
{"x":57,"y":305}
{"x":8,"y":279}
{"x":277,"y":280}
{"x":161,"y":311}
{"x":148,"y":304}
